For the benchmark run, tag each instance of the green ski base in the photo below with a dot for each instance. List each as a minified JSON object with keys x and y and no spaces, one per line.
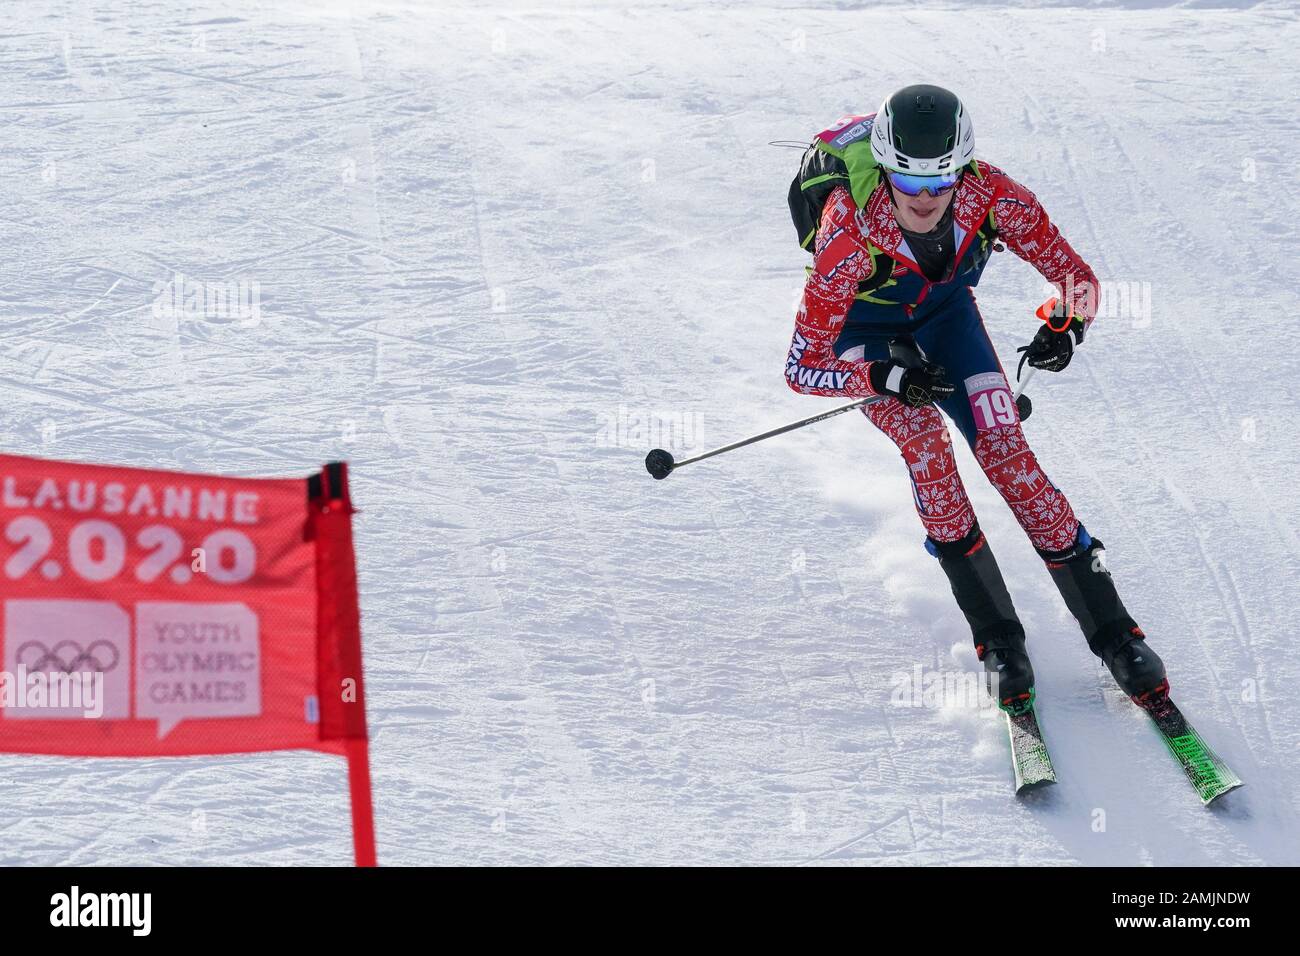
{"x":1205,"y":770}
{"x":1029,"y":757}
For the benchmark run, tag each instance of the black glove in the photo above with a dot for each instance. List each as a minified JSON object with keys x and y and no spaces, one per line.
{"x":919,"y":386}
{"x":1053,"y":345}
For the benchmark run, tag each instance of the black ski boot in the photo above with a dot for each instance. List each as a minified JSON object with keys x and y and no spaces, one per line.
{"x":1009,"y":676}
{"x":1112,"y":634}
{"x":999,"y":637}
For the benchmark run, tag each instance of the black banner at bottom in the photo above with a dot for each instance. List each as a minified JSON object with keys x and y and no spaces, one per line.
{"x":336,"y":907}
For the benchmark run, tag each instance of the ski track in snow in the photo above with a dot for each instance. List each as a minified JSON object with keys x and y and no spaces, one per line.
{"x":488,"y":234}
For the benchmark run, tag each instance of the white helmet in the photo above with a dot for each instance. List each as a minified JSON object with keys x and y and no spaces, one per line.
{"x":923,"y":130}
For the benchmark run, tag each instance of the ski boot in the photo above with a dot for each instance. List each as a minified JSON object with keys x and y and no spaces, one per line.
{"x":999,"y":637}
{"x":1089,"y":593}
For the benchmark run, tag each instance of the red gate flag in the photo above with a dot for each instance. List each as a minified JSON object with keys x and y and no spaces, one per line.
{"x":153,"y":613}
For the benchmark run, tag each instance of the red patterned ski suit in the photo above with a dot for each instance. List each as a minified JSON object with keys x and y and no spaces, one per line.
{"x":864,"y":288}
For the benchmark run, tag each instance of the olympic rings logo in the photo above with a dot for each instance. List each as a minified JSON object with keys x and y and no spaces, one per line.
{"x":68,"y":656}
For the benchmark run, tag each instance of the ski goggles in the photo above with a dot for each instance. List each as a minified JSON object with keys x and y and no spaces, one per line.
{"x":910,"y":185}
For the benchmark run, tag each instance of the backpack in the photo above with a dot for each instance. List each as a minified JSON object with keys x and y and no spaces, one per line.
{"x":841,"y":156}
{"x":838,"y":156}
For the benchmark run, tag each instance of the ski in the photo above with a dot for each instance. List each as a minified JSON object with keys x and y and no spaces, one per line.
{"x":1205,"y":770}
{"x":1029,"y":757}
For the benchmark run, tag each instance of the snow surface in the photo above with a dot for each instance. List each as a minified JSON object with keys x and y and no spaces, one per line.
{"x":488,"y":238}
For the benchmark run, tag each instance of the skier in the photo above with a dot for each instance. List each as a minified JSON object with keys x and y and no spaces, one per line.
{"x":901,"y":220}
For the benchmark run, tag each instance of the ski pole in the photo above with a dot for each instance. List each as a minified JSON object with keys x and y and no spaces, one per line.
{"x":1023,"y":404}
{"x":660,"y":463}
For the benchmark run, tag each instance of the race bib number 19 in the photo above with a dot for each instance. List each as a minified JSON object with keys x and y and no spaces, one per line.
{"x":990,"y":400}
